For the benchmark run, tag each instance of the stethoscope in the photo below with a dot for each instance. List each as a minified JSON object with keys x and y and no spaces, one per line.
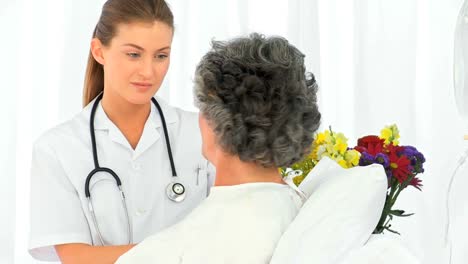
{"x":175,"y":191}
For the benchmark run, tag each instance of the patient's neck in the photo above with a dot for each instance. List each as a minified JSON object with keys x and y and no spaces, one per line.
{"x":230,"y":170}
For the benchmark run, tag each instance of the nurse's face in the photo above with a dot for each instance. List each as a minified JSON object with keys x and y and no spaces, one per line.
{"x":208,"y":139}
{"x":136,"y":60}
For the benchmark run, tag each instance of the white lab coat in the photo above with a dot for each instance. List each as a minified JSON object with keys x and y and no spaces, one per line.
{"x":62,"y":159}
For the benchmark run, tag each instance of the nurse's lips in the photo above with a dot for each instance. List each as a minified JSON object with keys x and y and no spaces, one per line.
{"x":142,"y":85}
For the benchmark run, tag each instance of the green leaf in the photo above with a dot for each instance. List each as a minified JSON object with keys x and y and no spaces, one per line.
{"x":391,"y":230}
{"x":406,"y":215}
{"x":400,"y":213}
{"x":397,"y":212}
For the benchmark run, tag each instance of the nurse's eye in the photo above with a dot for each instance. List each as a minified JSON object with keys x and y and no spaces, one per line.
{"x":133,"y":55}
{"x":161,"y":56}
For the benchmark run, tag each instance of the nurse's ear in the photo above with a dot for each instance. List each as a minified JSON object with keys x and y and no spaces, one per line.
{"x":96,"y":50}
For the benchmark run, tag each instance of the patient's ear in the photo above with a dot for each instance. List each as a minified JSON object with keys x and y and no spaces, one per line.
{"x":97,"y":50}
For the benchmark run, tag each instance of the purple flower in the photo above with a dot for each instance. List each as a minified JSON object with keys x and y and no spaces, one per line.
{"x":382,"y":159}
{"x":389,"y":172}
{"x":420,"y":157}
{"x":417,"y":158}
{"x":366,"y":159}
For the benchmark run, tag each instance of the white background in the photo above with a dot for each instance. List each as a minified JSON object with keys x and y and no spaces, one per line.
{"x":377,"y":62}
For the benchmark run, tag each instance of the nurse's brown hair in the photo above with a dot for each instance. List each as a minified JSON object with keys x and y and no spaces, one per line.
{"x":115,"y":12}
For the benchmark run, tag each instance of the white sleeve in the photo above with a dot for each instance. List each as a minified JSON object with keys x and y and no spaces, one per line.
{"x":56,"y":213}
{"x":165,"y":247}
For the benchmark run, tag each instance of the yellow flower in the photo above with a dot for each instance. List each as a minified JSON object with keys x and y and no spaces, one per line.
{"x":390,"y":134}
{"x":343,"y":163}
{"x":326,"y":154}
{"x":329,"y":149}
{"x":352,"y":157}
{"x":313,"y":154}
{"x":298,"y":179}
{"x":320,"y":138}
{"x":341,"y":144}
{"x":327,"y":144}
{"x":280,"y":171}
{"x":328,"y":137}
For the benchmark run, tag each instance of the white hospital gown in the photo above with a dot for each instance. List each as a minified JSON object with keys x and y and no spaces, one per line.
{"x":239,"y":224}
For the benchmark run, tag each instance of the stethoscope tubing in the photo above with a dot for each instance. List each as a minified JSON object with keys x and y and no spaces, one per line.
{"x":176,"y":196}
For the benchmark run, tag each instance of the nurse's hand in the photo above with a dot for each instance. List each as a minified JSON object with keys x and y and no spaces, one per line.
{"x":83,"y":253}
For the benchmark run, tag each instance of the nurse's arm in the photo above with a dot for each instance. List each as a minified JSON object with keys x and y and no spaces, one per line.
{"x":83,"y":253}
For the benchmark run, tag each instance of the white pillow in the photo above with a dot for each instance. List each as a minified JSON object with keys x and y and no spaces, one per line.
{"x":382,"y":249}
{"x":342,"y":210}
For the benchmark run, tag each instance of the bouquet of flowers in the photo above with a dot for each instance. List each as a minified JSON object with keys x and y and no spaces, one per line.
{"x":402,"y":164}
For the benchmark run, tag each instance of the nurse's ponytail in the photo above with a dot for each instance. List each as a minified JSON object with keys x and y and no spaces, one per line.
{"x":94,"y":79}
{"x":116,"y":12}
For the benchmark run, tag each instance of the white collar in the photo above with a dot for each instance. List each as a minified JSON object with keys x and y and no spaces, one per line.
{"x":150,"y":132}
{"x":102,"y":121}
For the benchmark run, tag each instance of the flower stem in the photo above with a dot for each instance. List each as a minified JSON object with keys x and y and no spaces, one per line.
{"x":389,"y":201}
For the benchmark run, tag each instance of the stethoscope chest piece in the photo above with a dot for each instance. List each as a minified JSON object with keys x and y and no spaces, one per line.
{"x":176,"y":192}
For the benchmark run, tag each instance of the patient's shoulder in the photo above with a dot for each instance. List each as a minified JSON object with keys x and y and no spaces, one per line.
{"x":258,"y":206}
{"x":242,"y":218}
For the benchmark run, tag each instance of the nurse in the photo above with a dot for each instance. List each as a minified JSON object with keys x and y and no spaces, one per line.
{"x":103,"y":181}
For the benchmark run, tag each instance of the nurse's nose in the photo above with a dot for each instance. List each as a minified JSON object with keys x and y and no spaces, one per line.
{"x":147,"y":68}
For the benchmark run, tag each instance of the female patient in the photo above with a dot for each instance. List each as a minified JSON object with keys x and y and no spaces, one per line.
{"x":258,"y":112}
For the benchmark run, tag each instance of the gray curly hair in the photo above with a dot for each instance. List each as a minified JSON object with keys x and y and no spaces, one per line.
{"x":259,"y":100}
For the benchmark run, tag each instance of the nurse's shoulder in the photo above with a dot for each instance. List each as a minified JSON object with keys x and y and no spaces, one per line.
{"x":185,"y":124}
{"x":175,"y":114}
{"x":64,"y":136}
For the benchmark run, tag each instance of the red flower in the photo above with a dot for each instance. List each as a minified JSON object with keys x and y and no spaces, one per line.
{"x":395,"y":149}
{"x":399,"y":165}
{"x":370,"y":144}
{"x":360,"y":149}
{"x":416,"y":183}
